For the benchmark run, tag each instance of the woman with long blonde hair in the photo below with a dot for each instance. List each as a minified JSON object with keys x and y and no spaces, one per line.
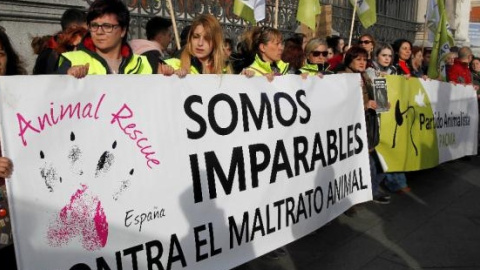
{"x":203,"y":53}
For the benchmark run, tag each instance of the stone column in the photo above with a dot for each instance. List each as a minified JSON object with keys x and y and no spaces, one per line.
{"x":462,"y":22}
{"x":24,"y":20}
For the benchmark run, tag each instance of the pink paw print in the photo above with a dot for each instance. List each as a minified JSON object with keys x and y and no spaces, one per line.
{"x":83,"y":216}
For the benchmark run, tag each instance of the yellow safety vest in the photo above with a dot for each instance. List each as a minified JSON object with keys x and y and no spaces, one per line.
{"x":176,"y":64}
{"x":262,"y":68}
{"x":137,"y":64}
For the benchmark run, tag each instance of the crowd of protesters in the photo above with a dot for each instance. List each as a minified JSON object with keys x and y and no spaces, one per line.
{"x":95,"y":43}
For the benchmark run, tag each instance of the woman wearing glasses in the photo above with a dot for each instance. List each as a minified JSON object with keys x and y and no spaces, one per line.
{"x":316,"y":52}
{"x":203,"y":53}
{"x":367,"y":42}
{"x":267,"y":44}
{"x":104,"y":50}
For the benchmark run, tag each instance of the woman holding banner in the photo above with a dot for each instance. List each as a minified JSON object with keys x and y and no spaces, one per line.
{"x":10,"y":64}
{"x":356,"y":62}
{"x":267,"y":44}
{"x":203,"y":53}
{"x":382,"y":65}
{"x":104,"y":50}
{"x":403,"y":53}
{"x":316,"y":52}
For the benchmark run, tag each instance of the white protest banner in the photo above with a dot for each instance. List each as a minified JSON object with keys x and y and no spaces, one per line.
{"x":154,"y":172}
{"x":430,"y":122}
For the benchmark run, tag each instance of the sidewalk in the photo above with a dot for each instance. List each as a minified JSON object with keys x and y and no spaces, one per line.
{"x":436,"y":226}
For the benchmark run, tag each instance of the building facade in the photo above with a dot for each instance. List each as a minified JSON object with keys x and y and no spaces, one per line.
{"x":24,"y":20}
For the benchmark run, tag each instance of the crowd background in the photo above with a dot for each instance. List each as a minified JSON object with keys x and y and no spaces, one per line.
{"x":96,"y":43}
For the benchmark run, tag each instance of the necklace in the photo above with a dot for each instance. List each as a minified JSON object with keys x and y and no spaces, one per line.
{"x":113,"y":64}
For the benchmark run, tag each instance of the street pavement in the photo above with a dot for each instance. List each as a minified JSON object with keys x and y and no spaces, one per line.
{"x":435,"y":226}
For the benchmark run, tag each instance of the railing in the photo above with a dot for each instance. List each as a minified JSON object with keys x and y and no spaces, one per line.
{"x":395,"y":18}
{"x":186,"y":10}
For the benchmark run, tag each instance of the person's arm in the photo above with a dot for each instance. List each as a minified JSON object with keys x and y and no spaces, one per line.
{"x":63,"y":65}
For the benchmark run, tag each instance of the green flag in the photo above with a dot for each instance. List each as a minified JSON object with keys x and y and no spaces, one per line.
{"x":307,"y":12}
{"x":367,"y":11}
{"x":441,"y":45}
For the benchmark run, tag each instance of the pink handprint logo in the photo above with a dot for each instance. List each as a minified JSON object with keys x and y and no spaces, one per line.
{"x":83,"y":216}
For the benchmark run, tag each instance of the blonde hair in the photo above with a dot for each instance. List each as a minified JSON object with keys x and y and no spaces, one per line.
{"x":214,"y":34}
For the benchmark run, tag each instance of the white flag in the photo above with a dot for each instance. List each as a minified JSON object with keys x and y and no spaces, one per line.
{"x":258,"y":7}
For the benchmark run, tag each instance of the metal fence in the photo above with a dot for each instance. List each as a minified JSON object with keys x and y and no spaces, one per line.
{"x":395,"y":18}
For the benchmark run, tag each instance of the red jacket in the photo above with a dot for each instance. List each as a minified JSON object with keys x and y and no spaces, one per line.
{"x":459,"y":73}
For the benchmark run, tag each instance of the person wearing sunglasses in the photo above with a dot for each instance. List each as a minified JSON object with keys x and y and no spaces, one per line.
{"x":367,"y":42}
{"x":316,"y":53}
{"x":104,"y":50}
{"x":267,"y":45}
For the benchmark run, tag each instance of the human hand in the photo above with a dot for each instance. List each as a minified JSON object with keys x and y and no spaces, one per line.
{"x":372,"y":104}
{"x":304,"y":76}
{"x":165,"y":70}
{"x":79,"y":71}
{"x":6,"y":167}
{"x":181,"y":73}
{"x":270,"y":76}
{"x":248,"y":73}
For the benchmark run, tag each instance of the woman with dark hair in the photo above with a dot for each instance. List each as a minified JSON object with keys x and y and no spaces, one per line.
{"x":367,"y":42}
{"x":336,"y":43}
{"x":104,"y":50}
{"x":416,"y":62}
{"x":383,"y":63}
{"x":293,"y":55}
{"x":10,"y":65}
{"x":403,"y":52}
{"x":203,"y":53}
{"x":397,"y":181}
{"x":475,"y":70}
{"x":355,"y":61}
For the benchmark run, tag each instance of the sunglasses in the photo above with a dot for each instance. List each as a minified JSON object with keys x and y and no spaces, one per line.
{"x":366,"y":42}
{"x":318,"y":53}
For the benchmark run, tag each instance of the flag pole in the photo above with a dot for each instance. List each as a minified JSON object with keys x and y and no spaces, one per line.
{"x":425,"y":28}
{"x":353,"y":22}
{"x":275,"y":25}
{"x":174,"y":23}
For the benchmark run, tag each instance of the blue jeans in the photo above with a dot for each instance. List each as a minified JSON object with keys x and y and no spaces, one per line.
{"x":395,"y":181}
